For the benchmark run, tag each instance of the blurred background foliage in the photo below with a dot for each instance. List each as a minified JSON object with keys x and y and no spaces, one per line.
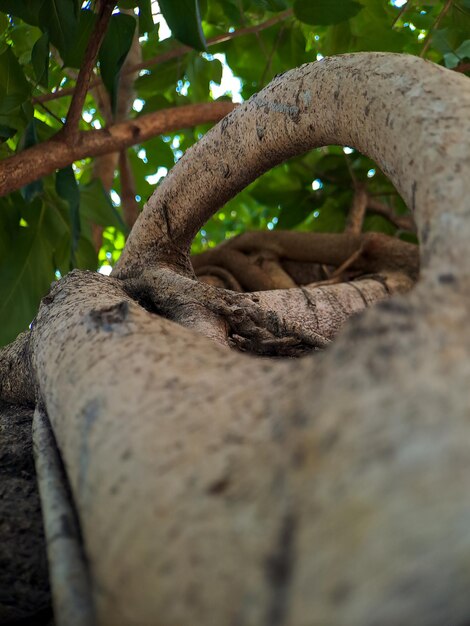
{"x":192,"y":51}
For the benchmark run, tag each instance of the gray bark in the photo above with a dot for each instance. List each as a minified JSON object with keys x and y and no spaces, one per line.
{"x":217,"y":488}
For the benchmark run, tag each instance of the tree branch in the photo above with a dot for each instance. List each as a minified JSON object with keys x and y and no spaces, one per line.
{"x":462,"y":67}
{"x":174,"y":54}
{"x":70,"y":131}
{"x":437,"y":21}
{"x":45,"y":158}
{"x":403,"y":222}
{"x":367,"y":101}
{"x":357,"y":211}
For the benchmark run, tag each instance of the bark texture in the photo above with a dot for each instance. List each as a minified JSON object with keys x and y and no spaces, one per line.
{"x":217,"y":488}
{"x":24,"y":587}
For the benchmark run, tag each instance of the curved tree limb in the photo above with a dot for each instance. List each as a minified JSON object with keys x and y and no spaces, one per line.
{"x":321,"y":491}
{"x":305,"y":108}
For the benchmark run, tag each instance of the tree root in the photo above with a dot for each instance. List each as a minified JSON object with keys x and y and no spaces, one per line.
{"x":250,"y":327}
{"x":260,"y":260}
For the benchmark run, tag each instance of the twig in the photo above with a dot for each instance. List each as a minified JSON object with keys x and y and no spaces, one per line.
{"x":357,"y":211}
{"x":175,"y":53}
{"x":74,"y":114}
{"x":271,"y":54}
{"x":437,"y":21}
{"x":344,"y":266}
{"x":403,"y":222}
{"x":51,"y":113}
{"x":402,"y":11}
{"x":462,"y":67}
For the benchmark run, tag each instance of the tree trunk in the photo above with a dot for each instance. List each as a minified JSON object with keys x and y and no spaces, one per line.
{"x":217,"y":488}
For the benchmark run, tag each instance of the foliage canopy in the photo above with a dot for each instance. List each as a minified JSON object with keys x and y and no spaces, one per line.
{"x":46,"y":226}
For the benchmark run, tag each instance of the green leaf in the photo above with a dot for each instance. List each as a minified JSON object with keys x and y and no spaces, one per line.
{"x":113,"y":52}
{"x":200,"y":73}
{"x":26,"y":267}
{"x":40,"y":60}
{"x":146,"y":23}
{"x":12,"y":79}
{"x":325,"y":12}
{"x":271,"y":5}
{"x":73,"y":55}
{"x":159,"y":154}
{"x":184,"y":20}
{"x":86,"y":256}
{"x":59,"y":18}
{"x":67,"y":188}
{"x":96,"y":206}
{"x":6,"y":132}
{"x":295,"y":211}
{"x":27,"y":10}
{"x":463,"y":51}
{"x":9,"y":103}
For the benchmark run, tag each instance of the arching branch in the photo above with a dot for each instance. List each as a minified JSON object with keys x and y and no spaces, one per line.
{"x":371,"y":101}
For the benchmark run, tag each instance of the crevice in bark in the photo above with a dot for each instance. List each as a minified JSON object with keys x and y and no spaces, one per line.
{"x":24,"y":584}
{"x":279,"y":570}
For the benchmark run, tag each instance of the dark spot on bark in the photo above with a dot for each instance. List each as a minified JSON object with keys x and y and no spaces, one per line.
{"x":219,"y":486}
{"x":260,"y":131}
{"x":328,"y":441}
{"x":48,"y":299}
{"x":135,"y":130}
{"x":106,"y":317}
{"x":299,"y":419}
{"x":385,"y":350}
{"x":233,"y":438}
{"x":114,"y":489}
{"x":166,"y":218}
{"x":394,"y":306}
{"x":299,"y":456}
{"x":279,"y":567}
{"x":340,"y":593}
{"x":413,"y":195}
{"x":126,"y":455}
{"x":365,"y":332}
{"x":226,"y":171}
{"x":387,"y":119}
{"x":447,"y":279}
{"x":425,"y":233}
{"x":364,"y":301}
{"x":336,"y":94}
{"x":224,"y":125}
{"x":67,"y":530}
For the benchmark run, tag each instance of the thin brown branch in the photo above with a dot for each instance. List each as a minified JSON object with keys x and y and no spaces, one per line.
{"x":74,"y":114}
{"x":45,"y":158}
{"x":401,"y":13}
{"x":274,"y":47}
{"x":129,"y":204}
{"x":462,"y":67}
{"x":175,"y":53}
{"x":357,"y":211}
{"x":437,"y":21}
{"x":403,"y":222}
{"x":51,"y":113}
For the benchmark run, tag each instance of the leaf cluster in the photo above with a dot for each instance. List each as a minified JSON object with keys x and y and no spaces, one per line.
{"x":189,"y":48}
